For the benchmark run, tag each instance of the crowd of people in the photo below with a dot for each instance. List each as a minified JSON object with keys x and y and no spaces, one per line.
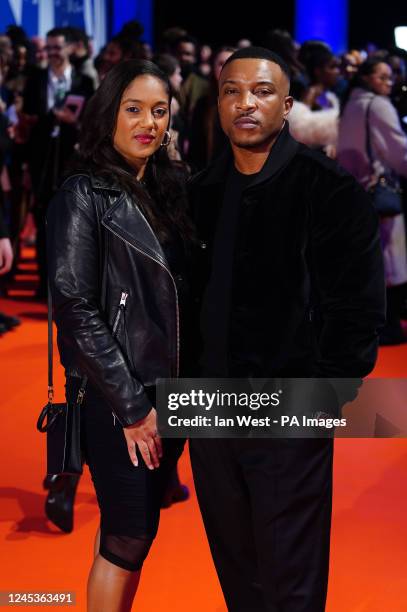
{"x":46,"y":83}
{"x":155,"y":274}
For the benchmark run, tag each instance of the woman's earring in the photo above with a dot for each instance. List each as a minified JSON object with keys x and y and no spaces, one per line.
{"x":167,"y":139}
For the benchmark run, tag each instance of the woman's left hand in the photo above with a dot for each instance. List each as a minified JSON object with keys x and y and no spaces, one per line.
{"x":143,"y":435}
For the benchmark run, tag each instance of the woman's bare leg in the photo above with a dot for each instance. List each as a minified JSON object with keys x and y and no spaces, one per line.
{"x":111,"y":588}
{"x":97,"y":544}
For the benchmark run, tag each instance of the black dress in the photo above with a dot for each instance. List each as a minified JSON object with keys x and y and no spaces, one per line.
{"x":129,"y":497}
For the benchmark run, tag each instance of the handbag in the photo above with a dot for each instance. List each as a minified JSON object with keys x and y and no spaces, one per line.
{"x":62,"y":426}
{"x":385,"y":188}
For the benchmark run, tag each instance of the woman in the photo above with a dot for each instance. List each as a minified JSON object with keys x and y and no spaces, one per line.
{"x":207,"y":139}
{"x":370,"y":92}
{"x":117,"y":238}
{"x":171,"y":67}
{"x":314,"y":117}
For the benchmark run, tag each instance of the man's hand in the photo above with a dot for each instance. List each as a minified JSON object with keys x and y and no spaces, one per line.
{"x":6,"y":256}
{"x":143,"y":435}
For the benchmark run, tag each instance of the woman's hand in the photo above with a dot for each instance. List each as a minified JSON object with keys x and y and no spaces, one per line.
{"x":6,"y":256}
{"x":311,"y":94}
{"x":143,"y":435}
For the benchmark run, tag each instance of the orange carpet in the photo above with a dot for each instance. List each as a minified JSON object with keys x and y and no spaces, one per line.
{"x":369,"y":534}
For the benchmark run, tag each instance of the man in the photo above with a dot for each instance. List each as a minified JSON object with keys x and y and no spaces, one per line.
{"x":194,"y":86}
{"x":81,"y":56}
{"x":292,"y":287}
{"x":55,"y":131}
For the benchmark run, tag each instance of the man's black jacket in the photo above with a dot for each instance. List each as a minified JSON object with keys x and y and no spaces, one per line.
{"x":308,"y":293}
{"x":47,"y":158}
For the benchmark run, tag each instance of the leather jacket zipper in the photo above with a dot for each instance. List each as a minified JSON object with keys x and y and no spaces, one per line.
{"x":166,"y":269}
{"x":120,"y":313}
{"x":122,"y":306}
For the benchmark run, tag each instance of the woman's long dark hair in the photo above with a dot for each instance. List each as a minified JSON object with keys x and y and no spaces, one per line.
{"x":165,"y":203}
{"x":365,"y":69}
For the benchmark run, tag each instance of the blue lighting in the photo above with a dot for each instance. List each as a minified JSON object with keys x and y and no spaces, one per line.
{"x":127,"y":10}
{"x":325,"y":20}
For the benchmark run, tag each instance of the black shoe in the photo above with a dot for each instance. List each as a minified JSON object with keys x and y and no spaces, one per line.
{"x":8,"y":322}
{"x":3,"y":329}
{"x":59,"y":504}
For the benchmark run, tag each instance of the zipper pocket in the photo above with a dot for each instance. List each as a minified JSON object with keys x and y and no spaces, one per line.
{"x":120,"y":312}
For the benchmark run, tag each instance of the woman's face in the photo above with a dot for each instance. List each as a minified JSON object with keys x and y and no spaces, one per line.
{"x":219,"y":60}
{"x":328,"y":74}
{"x":142,"y":120}
{"x":381,"y":80}
{"x":176,"y":79}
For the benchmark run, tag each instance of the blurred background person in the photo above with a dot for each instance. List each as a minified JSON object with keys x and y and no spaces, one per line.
{"x":55,"y":129}
{"x":282,"y":43}
{"x":117,"y":50}
{"x":205,"y":56}
{"x":369,"y":108}
{"x":206,"y":137}
{"x":349,"y":63}
{"x":6,"y":250}
{"x":81,"y":56}
{"x":194,"y":85}
{"x":40,"y":52}
{"x":314,"y":117}
{"x":397,"y":64}
{"x":171,"y":67}
{"x":243,"y":42}
{"x":322,"y":68}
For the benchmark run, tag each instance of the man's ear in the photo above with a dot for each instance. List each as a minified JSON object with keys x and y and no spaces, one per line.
{"x":288,"y":104}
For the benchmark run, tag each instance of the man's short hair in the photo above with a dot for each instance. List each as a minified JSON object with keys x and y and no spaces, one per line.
{"x":259,"y":53}
{"x":59,"y":32}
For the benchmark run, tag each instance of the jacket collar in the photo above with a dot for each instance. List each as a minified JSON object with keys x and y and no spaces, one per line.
{"x":98,"y":182}
{"x":280,"y":155}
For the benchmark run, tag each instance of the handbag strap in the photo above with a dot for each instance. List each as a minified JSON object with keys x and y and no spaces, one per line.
{"x":84,"y":379}
{"x":50,"y":350}
{"x":368,"y":142}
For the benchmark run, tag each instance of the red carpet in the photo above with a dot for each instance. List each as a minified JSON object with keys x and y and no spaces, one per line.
{"x":369,"y":535}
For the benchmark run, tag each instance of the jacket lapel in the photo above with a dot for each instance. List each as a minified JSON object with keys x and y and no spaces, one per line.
{"x":125,"y":219}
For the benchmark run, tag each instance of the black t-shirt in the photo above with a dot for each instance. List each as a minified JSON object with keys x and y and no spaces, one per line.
{"x":216,"y":303}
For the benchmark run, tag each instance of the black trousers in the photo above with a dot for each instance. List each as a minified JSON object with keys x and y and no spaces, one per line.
{"x":266,"y":505}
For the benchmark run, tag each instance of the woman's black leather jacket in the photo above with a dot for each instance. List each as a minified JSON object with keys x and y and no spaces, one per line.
{"x":114,"y":297}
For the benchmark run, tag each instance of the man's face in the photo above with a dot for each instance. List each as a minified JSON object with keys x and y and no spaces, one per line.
{"x":253,"y":102}
{"x":186,"y":53}
{"x":58,"y":51}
